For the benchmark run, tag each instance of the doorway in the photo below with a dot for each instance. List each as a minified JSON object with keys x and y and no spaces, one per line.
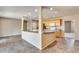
{"x":68,"y":26}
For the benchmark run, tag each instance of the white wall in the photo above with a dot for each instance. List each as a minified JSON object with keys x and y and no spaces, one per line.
{"x":75,"y":24}
{"x":9,"y":27}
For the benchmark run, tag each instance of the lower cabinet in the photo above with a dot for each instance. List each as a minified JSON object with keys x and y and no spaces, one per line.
{"x":47,"y":39}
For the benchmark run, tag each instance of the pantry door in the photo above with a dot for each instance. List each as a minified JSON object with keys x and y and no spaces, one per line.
{"x":68,"y":26}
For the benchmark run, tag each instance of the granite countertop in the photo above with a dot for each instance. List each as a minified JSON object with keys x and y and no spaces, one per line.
{"x":33,"y":31}
{"x":48,"y":31}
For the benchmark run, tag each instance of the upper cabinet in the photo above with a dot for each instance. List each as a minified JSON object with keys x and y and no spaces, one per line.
{"x":30,"y":25}
{"x":52,"y":24}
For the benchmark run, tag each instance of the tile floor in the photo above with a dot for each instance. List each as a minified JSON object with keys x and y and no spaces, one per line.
{"x":14,"y":44}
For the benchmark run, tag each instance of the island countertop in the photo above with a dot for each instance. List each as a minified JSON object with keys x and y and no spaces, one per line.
{"x":48,"y":31}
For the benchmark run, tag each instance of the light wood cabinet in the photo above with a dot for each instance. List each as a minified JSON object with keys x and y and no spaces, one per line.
{"x":47,"y":39}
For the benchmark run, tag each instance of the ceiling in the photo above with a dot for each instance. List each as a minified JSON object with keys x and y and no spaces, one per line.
{"x":16,"y":11}
{"x":19,"y":11}
{"x":61,"y":11}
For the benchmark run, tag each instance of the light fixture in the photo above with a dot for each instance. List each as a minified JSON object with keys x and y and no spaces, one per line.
{"x":35,"y":10}
{"x":51,"y":9}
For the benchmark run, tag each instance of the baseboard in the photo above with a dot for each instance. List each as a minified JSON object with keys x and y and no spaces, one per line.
{"x":10,"y":35}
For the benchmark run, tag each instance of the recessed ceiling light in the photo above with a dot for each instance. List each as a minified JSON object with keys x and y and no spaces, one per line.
{"x":36,"y":10}
{"x":51,"y":9}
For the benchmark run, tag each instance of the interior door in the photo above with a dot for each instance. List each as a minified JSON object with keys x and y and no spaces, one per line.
{"x":68,"y":26}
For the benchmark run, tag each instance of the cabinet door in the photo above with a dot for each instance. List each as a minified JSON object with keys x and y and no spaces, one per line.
{"x":25,"y":26}
{"x":47,"y":39}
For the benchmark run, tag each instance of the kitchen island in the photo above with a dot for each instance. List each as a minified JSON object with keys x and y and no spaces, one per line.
{"x":48,"y":38}
{"x":40,"y":33}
